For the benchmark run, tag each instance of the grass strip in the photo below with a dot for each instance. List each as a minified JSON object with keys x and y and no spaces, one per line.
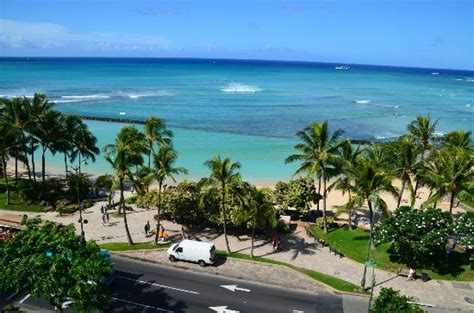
{"x":124,"y":246}
{"x":334,"y":282}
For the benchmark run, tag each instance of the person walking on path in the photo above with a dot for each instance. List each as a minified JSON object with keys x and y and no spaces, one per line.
{"x":147,"y":228}
{"x":183,"y":232}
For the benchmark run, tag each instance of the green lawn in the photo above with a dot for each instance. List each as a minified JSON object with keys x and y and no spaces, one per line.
{"x":15,"y":203}
{"x":124,"y":246}
{"x":353,"y":244}
{"x":334,"y":282}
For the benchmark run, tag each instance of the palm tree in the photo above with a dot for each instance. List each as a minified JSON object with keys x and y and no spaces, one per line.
{"x":224,"y":173}
{"x":317,"y":154}
{"x":70,"y":125}
{"x":261,"y":210}
{"x":164,"y":169}
{"x":49,"y":134}
{"x":450,"y":172}
{"x":422,"y":129}
{"x":123,"y":155}
{"x":16,"y":114}
{"x":84,"y":144}
{"x":345,"y":162}
{"x":156,"y":132}
{"x":458,"y":138}
{"x":38,"y":105}
{"x":368,"y":181}
{"x":7,"y":142}
{"x":403,"y":161}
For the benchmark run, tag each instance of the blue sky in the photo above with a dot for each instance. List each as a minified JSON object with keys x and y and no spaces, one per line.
{"x":436,"y":33}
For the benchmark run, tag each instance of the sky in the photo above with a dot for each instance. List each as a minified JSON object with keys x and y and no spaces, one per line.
{"x":415,"y":33}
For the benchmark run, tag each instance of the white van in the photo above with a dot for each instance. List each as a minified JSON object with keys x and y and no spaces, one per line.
{"x":200,"y":252}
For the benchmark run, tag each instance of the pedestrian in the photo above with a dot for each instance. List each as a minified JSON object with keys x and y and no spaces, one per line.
{"x":183,"y":233}
{"x":278,"y":243}
{"x":102,"y":209}
{"x":104,"y":219}
{"x":107,"y":215}
{"x":147,"y":228}
{"x":411,"y":274}
{"x":274,"y":241}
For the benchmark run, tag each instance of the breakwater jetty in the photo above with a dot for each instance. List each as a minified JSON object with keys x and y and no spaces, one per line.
{"x":142,"y":122}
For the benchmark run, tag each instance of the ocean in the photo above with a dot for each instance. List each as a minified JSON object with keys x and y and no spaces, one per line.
{"x":247,"y":110}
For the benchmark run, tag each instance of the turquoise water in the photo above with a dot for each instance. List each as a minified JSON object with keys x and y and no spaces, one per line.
{"x":248,"y":110}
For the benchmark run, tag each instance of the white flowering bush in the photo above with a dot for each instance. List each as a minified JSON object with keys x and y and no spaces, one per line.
{"x":464,"y":226}
{"x":418,"y":237}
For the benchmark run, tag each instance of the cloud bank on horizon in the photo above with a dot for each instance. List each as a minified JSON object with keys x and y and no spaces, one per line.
{"x":402,"y":33}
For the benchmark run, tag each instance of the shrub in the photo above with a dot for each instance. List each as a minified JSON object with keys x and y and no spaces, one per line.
{"x":329,"y":219}
{"x":390,"y":300}
{"x":68,"y":209}
{"x":131,"y":200}
{"x":35,"y":192}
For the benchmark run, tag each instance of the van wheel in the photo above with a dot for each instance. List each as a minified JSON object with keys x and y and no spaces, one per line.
{"x":172,"y":258}
{"x":202,"y":263}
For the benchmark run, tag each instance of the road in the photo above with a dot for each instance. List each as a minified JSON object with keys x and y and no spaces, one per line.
{"x":147,"y":287}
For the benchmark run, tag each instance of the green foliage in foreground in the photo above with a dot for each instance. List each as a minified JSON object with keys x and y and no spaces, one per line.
{"x":334,"y":282}
{"x":353,"y":244}
{"x":390,"y":301}
{"x":53,"y":262}
{"x":124,"y":246}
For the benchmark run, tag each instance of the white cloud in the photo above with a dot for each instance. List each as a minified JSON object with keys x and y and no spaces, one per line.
{"x":18,"y":35}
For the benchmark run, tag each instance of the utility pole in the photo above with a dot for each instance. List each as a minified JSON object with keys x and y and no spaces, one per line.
{"x":79,"y":203}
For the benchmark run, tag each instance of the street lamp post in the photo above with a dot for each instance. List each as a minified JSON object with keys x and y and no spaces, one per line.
{"x":79,"y":203}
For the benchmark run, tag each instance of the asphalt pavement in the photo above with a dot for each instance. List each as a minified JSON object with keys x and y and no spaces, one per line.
{"x":148,"y":287}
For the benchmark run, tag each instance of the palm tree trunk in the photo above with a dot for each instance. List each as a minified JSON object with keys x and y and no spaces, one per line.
{"x":65,"y":163}
{"x":401,"y":193}
{"x":225,"y":219}
{"x":350,"y":211}
{"x":27,"y":163}
{"x":79,"y":162}
{"x":422,"y":163}
{"x":122,"y":204}
{"x":325,"y":221}
{"x":16,"y":169}
{"x":451,"y":202}
{"x":158,"y":220}
{"x":33,"y":160}
{"x":319,"y":192}
{"x":43,"y":164}
{"x":371,"y":216}
{"x":5,"y":176}
{"x":149,"y":155}
{"x":253,"y":237}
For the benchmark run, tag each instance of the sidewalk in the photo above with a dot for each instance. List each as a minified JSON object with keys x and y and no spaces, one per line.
{"x":298,"y":249}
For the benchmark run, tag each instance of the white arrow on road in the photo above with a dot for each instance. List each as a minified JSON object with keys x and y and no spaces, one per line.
{"x":222,"y":309}
{"x":233,"y":288}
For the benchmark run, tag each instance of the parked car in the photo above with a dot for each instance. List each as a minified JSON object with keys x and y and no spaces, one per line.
{"x":200,"y":252}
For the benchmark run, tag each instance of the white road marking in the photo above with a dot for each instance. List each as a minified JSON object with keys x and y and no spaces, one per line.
{"x":142,"y":305}
{"x":222,"y":309}
{"x":25,"y":298}
{"x":159,"y":285}
{"x":233,"y":288}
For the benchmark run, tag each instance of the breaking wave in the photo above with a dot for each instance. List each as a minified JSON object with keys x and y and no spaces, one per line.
{"x":240,"y":88}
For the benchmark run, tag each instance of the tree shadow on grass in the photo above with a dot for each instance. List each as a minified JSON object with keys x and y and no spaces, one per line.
{"x":129,"y":295}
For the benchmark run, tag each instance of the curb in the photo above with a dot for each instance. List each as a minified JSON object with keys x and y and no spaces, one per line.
{"x":290,"y":267}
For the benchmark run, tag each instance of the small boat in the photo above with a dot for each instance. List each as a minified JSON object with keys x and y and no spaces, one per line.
{"x":122,"y":113}
{"x":342,"y":67}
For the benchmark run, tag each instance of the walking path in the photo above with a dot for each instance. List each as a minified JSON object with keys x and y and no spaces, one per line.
{"x":298,"y":249}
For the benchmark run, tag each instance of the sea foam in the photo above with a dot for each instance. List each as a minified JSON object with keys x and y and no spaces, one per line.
{"x":86,"y":97}
{"x":240,"y":88}
{"x":362,"y":101}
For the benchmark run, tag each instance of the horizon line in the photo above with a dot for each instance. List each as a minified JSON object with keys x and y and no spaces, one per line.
{"x":237,"y":59}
